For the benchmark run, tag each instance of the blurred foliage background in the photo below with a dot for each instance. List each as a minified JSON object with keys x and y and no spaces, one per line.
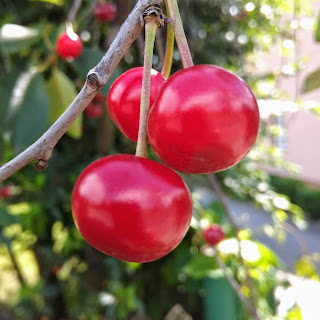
{"x":47,"y":271}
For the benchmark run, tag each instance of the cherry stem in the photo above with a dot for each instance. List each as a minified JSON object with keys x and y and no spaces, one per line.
{"x":180,"y":36}
{"x":167,"y":62}
{"x":151,"y":28}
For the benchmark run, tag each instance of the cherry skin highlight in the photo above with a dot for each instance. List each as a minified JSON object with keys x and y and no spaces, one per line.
{"x":205,"y":119}
{"x":123,"y":101}
{"x":69,"y":46}
{"x":213,"y":234}
{"x":131,"y":208}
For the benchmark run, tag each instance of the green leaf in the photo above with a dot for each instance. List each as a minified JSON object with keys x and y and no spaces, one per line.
{"x":305,"y":268}
{"x":6,"y":86}
{"x":317,"y":31}
{"x":312,"y":81}
{"x":89,"y":58}
{"x":15,"y":37}
{"x":29,"y":114}
{"x":6,"y":219}
{"x":55,"y":2}
{"x":200,"y":266}
{"x":62,"y":92}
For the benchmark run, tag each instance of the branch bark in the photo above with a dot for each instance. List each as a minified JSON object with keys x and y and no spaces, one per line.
{"x":97,"y":77}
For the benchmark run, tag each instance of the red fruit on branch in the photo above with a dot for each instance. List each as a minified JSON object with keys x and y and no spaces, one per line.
{"x":131,"y":208}
{"x":105,"y":12}
{"x":98,"y":98}
{"x":205,"y":119}
{"x":69,"y":45}
{"x":213,"y":234}
{"x":5,"y":192}
{"x":93,"y":110}
{"x":123,"y":101}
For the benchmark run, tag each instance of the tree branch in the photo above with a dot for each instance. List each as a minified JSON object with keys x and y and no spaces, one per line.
{"x":41,"y":150}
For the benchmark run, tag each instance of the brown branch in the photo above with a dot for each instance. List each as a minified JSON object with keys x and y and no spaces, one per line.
{"x":217,"y":189}
{"x":41,"y":150}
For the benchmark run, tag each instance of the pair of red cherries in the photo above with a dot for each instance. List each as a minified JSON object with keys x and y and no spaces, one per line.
{"x":202,"y":119}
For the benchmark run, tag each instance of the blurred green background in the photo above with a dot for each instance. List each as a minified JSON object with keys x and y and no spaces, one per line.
{"x":47,"y":271}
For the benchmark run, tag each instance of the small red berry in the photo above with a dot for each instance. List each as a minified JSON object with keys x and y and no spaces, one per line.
{"x":69,"y":45}
{"x":105,"y":12}
{"x":98,"y":98}
{"x":5,"y":192}
{"x":213,"y":234}
{"x":93,"y":110}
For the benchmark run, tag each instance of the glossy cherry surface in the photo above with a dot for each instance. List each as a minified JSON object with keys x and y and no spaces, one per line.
{"x":69,"y":46}
{"x":205,"y":119}
{"x":124,"y":97}
{"x":131,"y":208}
{"x":105,"y":12}
{"x":213,"y":234}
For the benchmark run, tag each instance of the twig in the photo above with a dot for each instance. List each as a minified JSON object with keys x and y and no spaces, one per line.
{"x":217,"y":188}
{"x":234,"y":284}
{"x":74,"y":9}
{"x":41,"y":150}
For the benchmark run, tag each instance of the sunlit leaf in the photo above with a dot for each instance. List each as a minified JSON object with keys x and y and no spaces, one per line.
{"x":55,"y":2}
{"x":305,"y":268}
{"x":62,"y":92}
{"x":15,"y":37}
{"x":317,"y":31}
{"x":312,"y":81}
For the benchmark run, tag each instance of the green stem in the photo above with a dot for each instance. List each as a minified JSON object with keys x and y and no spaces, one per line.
{"x":151,"y":28}
{"x":179,"y":34}
{"x":167,"y":62}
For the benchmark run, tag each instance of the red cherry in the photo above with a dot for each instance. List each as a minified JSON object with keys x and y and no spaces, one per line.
{"x":5,"y":192}
{"x":131,"y":208}
{"x":205,"y":119}
{"x":69,"y":46}
{"x":213,"y":235}
{"x":124,"y":97}
{"x":105,"y":12}
{"x":93,"y":110}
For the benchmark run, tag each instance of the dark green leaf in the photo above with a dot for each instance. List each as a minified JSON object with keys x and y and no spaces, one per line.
{"x":89,"y":59}
{"x":312,"y":81}
{"x":62,"y":92}
{"x":6,"y":219}
{"x":6,"y":86}
{"x":31,"y":114}
{"x":200,"y":266}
